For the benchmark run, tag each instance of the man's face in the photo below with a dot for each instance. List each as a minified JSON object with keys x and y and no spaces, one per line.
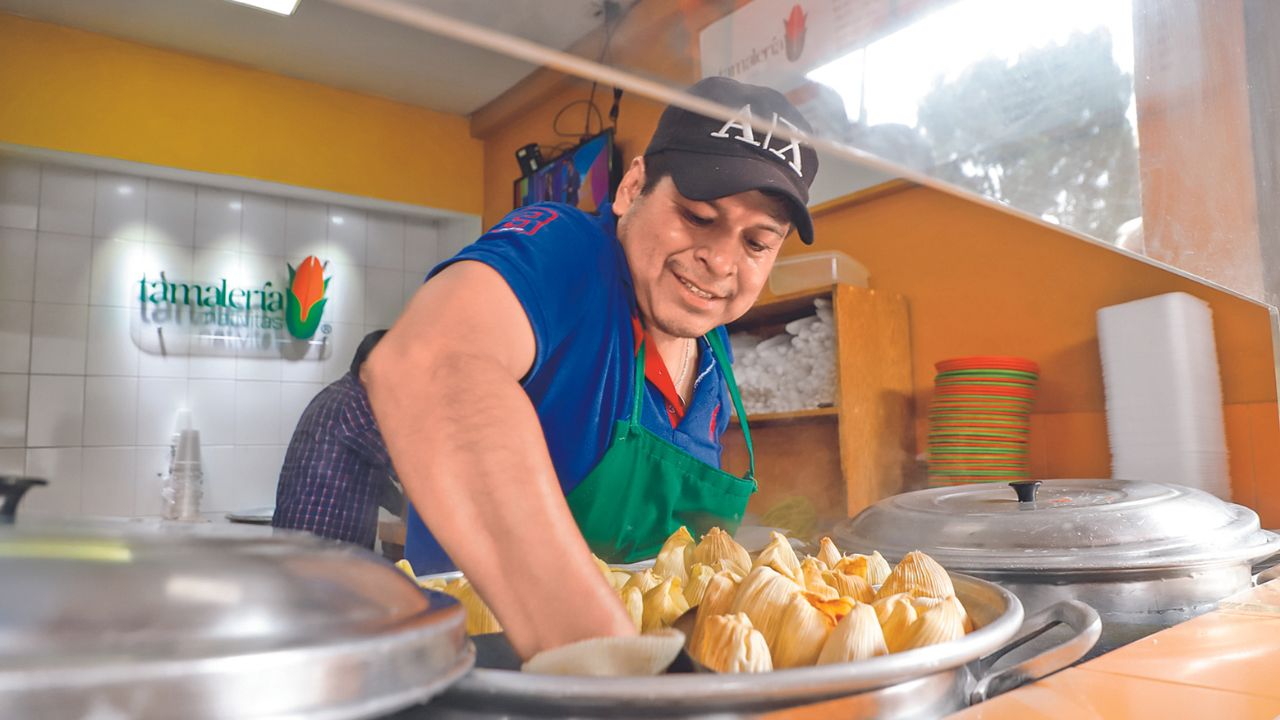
{"x":696,"y":265}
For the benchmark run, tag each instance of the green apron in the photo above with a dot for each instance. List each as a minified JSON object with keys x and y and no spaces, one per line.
{"x":645,"y":488}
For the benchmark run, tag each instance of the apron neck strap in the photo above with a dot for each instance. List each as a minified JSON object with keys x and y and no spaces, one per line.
{"x":722,"y":360}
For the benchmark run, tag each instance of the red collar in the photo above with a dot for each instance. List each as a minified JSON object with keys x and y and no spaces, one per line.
{"x":655,"y":371}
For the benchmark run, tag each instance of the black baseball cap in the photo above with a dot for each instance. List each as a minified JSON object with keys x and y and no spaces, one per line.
{"x":710,"y":158}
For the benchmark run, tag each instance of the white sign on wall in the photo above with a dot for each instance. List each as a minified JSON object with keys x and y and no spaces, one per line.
{"x":275,"y":317}
{"x":775,"y":42}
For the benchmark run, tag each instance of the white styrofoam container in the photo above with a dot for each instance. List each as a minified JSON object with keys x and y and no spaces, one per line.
{"x":1164,"y":394}
{"x":816,"y":270}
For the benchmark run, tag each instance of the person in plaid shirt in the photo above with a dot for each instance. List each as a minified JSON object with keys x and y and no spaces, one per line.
{"x":337,"y":473}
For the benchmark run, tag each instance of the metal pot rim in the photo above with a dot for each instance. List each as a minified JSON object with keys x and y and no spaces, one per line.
{"x":1010,"y":563}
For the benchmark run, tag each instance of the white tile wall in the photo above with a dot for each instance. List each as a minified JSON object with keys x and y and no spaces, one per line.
{"x":346,"y":338}
{"x":171,"y":213}
{"x":383,"y":296}
{"x":257,"y":470}
{"x":82,"y":406}
{"x":421,"y":247}
{"x":13,"y":461}
{"x":18,"y":271}
{"x":213,"y":410}
{"x":257,"y":413}
{"x":221,"y":479}
{"x":110,"y":411}
{"x":172,"y":364}
{"x":173,"y":260}
{"x":306,"y":230}
{"x":218,"y":215}
{"x":151,"y":463}
{"x":385,"y":248}
{"x":111,"y":350}
{"x":159,"y":400}
{"x":13,"y":410}
{"x":55,"y":411}
{"x":346,"y":293}
{"x":19,"y":194}
{"x":121,"y":208}
{"x":263,"y":225}
{"x":15,"y":337}
{"x":213,"y":367}
{"x":456,"y":234}
{"x":258,"y":368}
{"x":115,"y":272}
{"x":63,"y":268}
{"x":255,"y":269}
{"x":59,"y":336}
{"x":106,"y":485}
{"x":346,"y":236}
{"x":63,"y":467}
{"x":66,"y":200}
{"x":307,"y":368}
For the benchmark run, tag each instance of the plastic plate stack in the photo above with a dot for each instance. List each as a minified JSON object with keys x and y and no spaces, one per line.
{"x":979,"y":420}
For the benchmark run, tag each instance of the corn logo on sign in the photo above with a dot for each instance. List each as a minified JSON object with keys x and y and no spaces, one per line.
{"x":305,"y":303}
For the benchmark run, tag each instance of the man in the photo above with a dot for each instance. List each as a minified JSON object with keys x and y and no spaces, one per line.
{"x":336,"y":473}
{"x":510,"y":392}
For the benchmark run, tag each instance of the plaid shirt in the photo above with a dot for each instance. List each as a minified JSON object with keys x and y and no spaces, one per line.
{"x":337,"y":467}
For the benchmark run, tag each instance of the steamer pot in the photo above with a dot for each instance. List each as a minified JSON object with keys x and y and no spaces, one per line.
{"x":1145,"y":555}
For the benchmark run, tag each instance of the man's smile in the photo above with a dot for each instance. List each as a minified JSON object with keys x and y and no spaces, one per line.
{"x":696,"y":290}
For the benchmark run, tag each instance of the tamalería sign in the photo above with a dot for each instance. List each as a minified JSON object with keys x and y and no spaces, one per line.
{"x":221,"y":318}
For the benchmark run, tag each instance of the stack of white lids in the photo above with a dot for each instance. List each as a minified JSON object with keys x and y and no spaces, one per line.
{"x":1164,"y":395}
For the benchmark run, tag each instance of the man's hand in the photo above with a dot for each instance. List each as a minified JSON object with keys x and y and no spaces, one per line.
{"x":466,"y":442}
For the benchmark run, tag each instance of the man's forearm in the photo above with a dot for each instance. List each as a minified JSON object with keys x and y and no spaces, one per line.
{"x":468,"y":447}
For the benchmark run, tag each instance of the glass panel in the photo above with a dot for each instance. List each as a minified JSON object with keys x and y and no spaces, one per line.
{"x":1029,"y":103}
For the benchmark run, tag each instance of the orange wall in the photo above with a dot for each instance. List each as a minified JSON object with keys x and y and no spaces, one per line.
{"x":75,"y":91}
{"x":982,"y":282}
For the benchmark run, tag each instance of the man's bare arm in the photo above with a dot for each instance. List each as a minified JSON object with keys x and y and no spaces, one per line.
{"x":467,"y":444}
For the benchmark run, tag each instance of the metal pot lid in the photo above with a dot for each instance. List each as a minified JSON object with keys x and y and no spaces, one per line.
{"x":117,"y":624}
{"x":1070,"y":525}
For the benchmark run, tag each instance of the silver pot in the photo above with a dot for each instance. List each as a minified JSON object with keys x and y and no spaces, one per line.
{"x":1145,"y":555}
{"x":924,"y":683}
{"x":105,"y":622}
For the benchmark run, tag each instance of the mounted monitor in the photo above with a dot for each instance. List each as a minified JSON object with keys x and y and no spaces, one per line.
{"x":585,"y":176}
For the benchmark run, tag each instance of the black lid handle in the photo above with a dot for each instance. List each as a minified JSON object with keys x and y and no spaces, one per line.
{"x":12,"y":489}
{"x":1026,"y":490}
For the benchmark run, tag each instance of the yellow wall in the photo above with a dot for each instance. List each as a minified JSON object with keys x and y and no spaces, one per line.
{"x":69,"y":90}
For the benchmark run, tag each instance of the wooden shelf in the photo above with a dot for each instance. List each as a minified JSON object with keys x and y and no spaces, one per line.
{"x":847,"y":457}
{"x":775,"y":418}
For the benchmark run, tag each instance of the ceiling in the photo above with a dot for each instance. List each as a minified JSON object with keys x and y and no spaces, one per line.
{"x":335,"y":46}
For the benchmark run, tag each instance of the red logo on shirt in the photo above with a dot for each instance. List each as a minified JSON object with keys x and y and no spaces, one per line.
{"x":528,"y":221}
